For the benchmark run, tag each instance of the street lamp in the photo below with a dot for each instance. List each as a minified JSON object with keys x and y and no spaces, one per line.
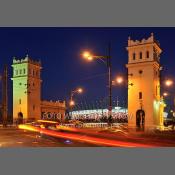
{"x":165,"y":94}
{"x":168,"y":82}
{"x":87,"y":55}
{"x":119,"y":79}
{"x":72,"y":102}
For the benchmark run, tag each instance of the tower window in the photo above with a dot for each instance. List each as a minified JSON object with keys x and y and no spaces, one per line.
{"x":147,"y":54}
{"x":140,"y":95}
{"x":33,"y":107}
{"x":20,"y":72}
{"x":20,"y":101}
{"x":33,"y":72}
{"x":134,"y":56}
{"x":140,"y":71}
{"x":16,"y":72}
{"x":24,"y":71}
{"x":140,"y":55}
{"x":29,"y":71}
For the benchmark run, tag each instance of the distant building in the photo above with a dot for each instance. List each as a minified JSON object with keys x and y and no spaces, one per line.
{"x":27,"y":82}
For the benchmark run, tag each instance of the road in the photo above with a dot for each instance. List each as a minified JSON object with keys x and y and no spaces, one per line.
{"x":23,"y":138}
{"x":74,"y":137}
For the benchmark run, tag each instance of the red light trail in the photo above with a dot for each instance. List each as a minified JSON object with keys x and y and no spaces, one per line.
{"x":89,"y":139}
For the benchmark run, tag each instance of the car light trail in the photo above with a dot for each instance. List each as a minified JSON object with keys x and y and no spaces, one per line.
{"x":89,"y":139}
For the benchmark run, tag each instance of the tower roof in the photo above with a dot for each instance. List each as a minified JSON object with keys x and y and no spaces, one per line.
{"x":150,"y":39}
{"x":26,"y":60}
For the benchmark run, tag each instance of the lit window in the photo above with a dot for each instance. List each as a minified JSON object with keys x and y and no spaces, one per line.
{"x":140,"y":55}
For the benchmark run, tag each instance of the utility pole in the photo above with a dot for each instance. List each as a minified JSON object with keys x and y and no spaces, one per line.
{"x":109,"y":65}
{"x":4,"y":96}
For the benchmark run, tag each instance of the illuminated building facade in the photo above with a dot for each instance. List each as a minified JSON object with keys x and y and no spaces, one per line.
{"x":27,"y":102}
{"x":53,"y":110}
{"x":145,"y":106}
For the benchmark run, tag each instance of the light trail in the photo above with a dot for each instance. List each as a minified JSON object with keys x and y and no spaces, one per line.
{"x":89,"y":139}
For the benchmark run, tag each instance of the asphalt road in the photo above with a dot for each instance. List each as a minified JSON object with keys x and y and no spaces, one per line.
{"x":12,"y":137}
{"x":23,"y":138}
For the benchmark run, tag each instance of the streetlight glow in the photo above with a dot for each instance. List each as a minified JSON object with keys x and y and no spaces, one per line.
{"x":86,"y":54}
{"x":79,"y":90}
{"x":72,"y":103}
{"x":119,"y":80}
{"x":168,"y":82}
{"x":165,"y":94}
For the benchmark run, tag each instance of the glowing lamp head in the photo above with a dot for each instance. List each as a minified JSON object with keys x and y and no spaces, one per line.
{"x":168,"y":82}
{"x":87,"y":55}
{"x":165,"y":94}
{"x":72,"y":103}
{"x":80,"y":90}
{"x":119,"y":80}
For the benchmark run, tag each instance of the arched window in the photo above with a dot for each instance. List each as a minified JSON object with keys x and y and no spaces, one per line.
{"x":147,"y":54}
{"x":140,"y":95}
{"x":133,"y":56}
{"x":140,"y":55}
{"x":24,"y":71}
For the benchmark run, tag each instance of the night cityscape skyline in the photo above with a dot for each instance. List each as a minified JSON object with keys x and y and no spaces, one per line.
{"x":48,"y":66}
{"x":64,"y":69}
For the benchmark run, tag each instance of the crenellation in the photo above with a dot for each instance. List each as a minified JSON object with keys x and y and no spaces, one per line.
{"x":143,"y":41}
{"x":53,"y":103}
{"x":26,"y":60}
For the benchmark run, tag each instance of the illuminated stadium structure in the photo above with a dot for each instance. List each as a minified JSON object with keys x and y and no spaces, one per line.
{"x":98,"y":113}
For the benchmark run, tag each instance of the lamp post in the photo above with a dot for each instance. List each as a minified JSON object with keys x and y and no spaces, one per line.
{"x":169,"y":83}
{"x":72,"y":102}
{"x":107,"y":61}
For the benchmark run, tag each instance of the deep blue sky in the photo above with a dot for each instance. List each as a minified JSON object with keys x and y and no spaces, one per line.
{"x":59,"y":50}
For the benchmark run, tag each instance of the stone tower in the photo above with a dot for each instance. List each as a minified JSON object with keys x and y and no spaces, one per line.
{"x":145,"y":106}
{"x":26,"y":89}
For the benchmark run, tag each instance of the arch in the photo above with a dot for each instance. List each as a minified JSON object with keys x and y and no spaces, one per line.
{"x":20,"y":117}
{"x":140,"y":118}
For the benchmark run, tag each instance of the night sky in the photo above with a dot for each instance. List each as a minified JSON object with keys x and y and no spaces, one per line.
{"x":59,"y":50}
